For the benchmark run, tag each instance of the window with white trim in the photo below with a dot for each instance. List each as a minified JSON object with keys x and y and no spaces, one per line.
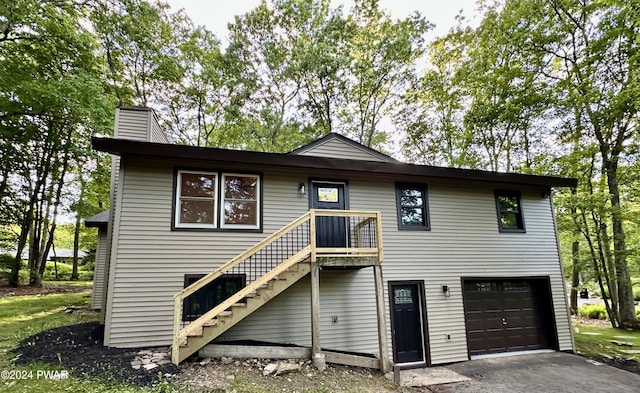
{"x":196,"y":199}
{"x":216,"y":200}
{"x":240,"y":201}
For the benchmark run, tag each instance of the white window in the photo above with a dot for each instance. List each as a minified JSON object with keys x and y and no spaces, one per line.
{"x":240,"y":206}
{"x":196,"y":200}
{"x":212,"y":200}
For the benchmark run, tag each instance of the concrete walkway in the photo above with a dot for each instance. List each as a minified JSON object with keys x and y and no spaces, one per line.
{"x":554,"y":372}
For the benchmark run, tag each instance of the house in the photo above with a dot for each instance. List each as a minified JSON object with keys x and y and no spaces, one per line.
{"x":333,"y":247}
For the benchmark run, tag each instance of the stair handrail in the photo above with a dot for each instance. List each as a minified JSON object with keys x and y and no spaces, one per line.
{"x":233,"y":299}
{"x":241,"y":257}
{"x":179,"y":297}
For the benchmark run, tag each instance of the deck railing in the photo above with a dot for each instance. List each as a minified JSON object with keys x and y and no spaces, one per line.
{"x":295,"y":242}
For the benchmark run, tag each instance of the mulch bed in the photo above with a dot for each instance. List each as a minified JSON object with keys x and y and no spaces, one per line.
{"x":79,"y":349}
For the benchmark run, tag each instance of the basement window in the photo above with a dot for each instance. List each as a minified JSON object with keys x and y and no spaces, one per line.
{"x":211,"y":295}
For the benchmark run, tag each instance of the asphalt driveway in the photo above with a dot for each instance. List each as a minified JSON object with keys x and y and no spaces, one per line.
{"x":553,"y":372}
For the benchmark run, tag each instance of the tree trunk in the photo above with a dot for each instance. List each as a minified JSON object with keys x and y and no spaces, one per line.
{"x":575,"y":277}
{"x":625,"y":292}
{"x":609,"y":270}
{"x":76,"y":245}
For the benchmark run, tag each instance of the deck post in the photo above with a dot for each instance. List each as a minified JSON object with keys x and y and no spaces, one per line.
{"x":312,"y":234}
{"x":175,"y":342}
{"x":316,"y":356}
{"x":382,"y":322}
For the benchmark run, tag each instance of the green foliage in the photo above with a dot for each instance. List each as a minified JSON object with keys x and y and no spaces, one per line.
{"x":52,"y":99}
{"x":64,"y":272}
{"x":307,"y":70}
{"x":593,"y":311}
{"x":7,"y":261}
{"x":64,"y":237}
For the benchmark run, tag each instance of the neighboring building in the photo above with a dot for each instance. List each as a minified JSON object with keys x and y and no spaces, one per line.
{"x":99,"y":221}
{"x":470,"y":265}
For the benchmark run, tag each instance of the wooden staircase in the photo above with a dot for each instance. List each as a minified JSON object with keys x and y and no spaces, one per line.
{"x":284,"y":257}
{"x":198,"y":337}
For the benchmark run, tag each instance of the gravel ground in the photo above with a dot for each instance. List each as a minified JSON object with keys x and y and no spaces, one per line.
{"x":79,"y":349}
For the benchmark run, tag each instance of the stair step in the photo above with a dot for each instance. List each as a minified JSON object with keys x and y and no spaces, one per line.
{"x":196,"y":332}
{"x":225,"y":314}
{"x":239,"y":305}
{"x":212,"y":322}
{"x":184,"y":342}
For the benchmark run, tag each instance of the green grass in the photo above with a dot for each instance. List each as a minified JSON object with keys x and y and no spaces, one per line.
{"x":24,"y":316}
{"x":600,"y":344}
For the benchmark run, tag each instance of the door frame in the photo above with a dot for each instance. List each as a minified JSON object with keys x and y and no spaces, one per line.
{"x":423,"y":321}
{"x":345,"y":187}
{"x":548,"y":320}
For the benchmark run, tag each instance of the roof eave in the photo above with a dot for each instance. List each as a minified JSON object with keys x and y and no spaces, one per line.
{"x":164,"y":151}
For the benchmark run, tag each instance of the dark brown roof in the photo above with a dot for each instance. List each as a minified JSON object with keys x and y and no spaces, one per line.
{"x":98,"y":220}
{"x":165,"y":151}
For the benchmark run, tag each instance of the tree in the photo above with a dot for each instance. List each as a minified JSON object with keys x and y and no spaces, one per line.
{"x":433,"y":110}
{"x":263,"y":115}
{"x":383,"y":57}
{"x":595,"y":52}
{"x":138,"y":40}
{"x":52,"y":96}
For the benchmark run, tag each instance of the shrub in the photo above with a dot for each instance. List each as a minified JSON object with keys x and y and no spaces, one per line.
{"x":85,"y":276}
{"x":6,"y":262}
{"x":64,"y":272}
{"x":593,"y":311}
{"x":636,"y":294}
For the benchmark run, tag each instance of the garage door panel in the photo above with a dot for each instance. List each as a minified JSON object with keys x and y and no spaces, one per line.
{"x":505,"y":315}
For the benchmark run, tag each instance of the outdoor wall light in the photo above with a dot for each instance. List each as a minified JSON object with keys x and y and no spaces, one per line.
{"x":446,"y":291}
{"x":302,"y":189}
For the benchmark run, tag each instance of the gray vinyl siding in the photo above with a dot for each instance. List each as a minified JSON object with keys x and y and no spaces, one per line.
{"x":348,"y":295}
{"x":132,"y":124}
{"x":335,"y":148}
{"x":140,"y":124}
{"x":157,"y":135}
{"x":463,"y":242}
{"x":98,"y":269}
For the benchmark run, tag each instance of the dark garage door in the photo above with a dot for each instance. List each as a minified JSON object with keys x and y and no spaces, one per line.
{"x":508,"y":315}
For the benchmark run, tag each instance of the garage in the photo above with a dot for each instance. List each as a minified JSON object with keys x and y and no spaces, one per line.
{"x":508,"y":315}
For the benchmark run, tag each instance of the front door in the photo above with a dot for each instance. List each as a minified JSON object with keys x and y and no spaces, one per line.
{"x":330,"y":231}
{"x":407,"y":323}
